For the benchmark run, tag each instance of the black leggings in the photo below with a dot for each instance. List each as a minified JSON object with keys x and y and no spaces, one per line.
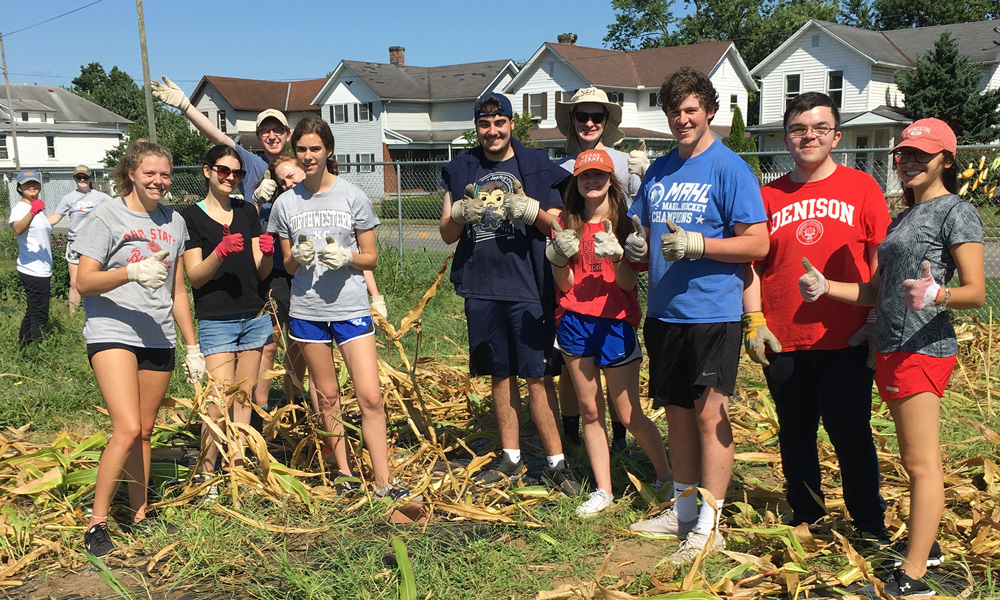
{"x":37,"y":314}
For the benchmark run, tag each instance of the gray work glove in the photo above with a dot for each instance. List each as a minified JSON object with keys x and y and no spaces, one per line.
{"x":680,"y":244}
{"x":866,"y":335}
{"x":469,"y":209}
{"x":606,"y":244}
{"x":636,"y":248}
{"x":563,"y":246}
{"x":519,"y":207}
{"x":265,"y":189}
{"x":194,"y":364}
{"x":149,"y":272}
{"x":169,"y":94}
{"x":304,"y":252}
{"x":333,"y":255}
{"x":812,"y":284}
{"x":638,"y":160}
{"x":378,"y":305}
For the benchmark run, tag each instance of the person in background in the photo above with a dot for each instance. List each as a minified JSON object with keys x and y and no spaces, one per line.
{"x":76,"y":205}
{"x":34,"y":255}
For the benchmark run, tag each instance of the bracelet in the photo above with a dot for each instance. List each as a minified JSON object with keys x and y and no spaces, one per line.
{"x":947,"y":295}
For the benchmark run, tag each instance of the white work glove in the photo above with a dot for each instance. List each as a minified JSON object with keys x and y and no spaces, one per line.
{"x":265,"y":189}
{"x":606,"y":244}
{"x":467,"y":210}
{"x":866,"y":334}
{"x":636,"y":248}
{"x":519,"y":207}
{"x":680,"y":244}
{"x":304,"y":252}
{"x":812,"y":285}
{"x":378,"y":305}
{"x":563,"y":246}
{"x":194,"y":364}
{"x":638,"y":160}
{"x":149,"y":272}
{"x":333,"y":255}
{"x":756,"y":336}
{"x":169,"y":94}
{"x":921,"y":293}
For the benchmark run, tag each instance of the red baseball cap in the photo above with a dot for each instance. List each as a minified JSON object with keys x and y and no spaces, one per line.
{"x":593,"y":159}
{"x":930,"y":135}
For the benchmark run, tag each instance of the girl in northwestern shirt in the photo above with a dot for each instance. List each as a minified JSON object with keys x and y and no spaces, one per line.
{"x":937,"y":235}
{"x":327,"y":230}
{"x":226,"y":256}
{"x":131,"y":286}
{"x":599,"y":305}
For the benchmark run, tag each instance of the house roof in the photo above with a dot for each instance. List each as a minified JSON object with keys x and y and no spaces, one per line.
{"x":647,"y":68}
{"x":259,"y":94}
{"x":882,"y":114}
{"x":67,"y":106}
{"x":449,"y":82}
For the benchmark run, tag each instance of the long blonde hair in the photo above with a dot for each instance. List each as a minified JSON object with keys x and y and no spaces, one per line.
{"x":137,"y":150}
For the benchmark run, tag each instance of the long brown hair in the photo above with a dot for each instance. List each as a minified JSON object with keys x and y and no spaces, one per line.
{"x":137,"y":150}
{"x":322,"y":129}
{"x":575,"y":206}
{"x":949,"y":177}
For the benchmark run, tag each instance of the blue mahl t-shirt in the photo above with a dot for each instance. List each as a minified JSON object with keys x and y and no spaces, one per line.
{"x":709,"y":193}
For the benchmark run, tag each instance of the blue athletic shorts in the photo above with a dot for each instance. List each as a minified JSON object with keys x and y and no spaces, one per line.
{"x":508,"y":338}
{"x":324,"y":332}
{"x":612,"y":342}
{"x":234,"y":334}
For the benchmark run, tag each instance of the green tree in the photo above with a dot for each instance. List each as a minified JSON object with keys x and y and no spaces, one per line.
{"x":115,"y":91}
{"x":901,"y":14}
{"x":641,"y":24}
{"x":946,"y":85}
{"x":857,"y":13}
{"x":738,"y":141}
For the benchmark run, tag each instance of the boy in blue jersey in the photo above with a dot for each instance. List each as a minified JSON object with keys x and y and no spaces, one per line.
{"x":701,"y":210}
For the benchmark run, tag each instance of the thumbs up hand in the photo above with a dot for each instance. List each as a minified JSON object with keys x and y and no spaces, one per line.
{"x":149,"y":272}
{"x":564,"y":245}
{"x":232,"y":243}
{"x":333,"y":255}
{"x":923,"y":292}
{"x":606,"y":244}
{"x":680,"y":244}
{"x":636,"y":248}
{"x":812,"y":284}
{"x":265,"y":189}
{"x":304,"y":252}
{"x":638,"y":160}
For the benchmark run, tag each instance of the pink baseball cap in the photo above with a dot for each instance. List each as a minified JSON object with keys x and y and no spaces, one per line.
{"x":593,"y":159}
{"x":930,"y":135}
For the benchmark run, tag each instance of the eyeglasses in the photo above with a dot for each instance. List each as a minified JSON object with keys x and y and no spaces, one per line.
{"x":798,"y":131}
{"x":225,"y":171}
{"x":81,"y":177}
{"x":583,"y":117}
{"x":917,"y":156}
{"x":276,"y":130}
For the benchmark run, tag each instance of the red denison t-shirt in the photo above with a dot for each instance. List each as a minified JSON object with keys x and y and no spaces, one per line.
{"x":832,"y":223}
{"x":594,"y":292}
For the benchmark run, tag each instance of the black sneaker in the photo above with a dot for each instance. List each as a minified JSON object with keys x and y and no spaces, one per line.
{"x":897,"y":584}
{"x":500,"y":470}
{"x":871,"y":537}
{"x":562,"y":477}
{"x":97,"y":540}
{"x":897,"y":552}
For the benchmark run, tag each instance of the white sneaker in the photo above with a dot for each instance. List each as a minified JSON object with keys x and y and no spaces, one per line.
{"x":666,"y":524}
{"x":692,"y":546}
{"x":598,"y":501}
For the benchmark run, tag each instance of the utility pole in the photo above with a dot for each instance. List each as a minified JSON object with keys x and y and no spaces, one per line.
{"x":10,"y":106}
{"x":145,"y":73}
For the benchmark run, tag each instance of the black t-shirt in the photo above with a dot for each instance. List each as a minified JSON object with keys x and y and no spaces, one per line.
{"x":233,"y":289}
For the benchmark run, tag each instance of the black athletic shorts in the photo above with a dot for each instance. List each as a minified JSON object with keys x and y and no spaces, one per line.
{"x":686,"y":358}
{"x":278,"y":286}
{"x":148,"y":359}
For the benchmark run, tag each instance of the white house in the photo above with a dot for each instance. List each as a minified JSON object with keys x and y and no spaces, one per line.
{"x":632,"y":79}
{"x":857,"y":68}
{"x":233,"y":103}
{"x":394,"y":112}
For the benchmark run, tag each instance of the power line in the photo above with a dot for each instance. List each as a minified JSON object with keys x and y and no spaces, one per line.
{"x":53,"y":18}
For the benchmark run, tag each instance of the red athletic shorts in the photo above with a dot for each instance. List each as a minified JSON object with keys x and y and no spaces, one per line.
{"x":903,"y":374}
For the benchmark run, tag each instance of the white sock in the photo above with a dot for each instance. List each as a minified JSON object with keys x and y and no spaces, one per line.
{"x":686,"y":508}
{"x":708,"y":519}
{"x":553,"y":460}
{"x":513,"y":455}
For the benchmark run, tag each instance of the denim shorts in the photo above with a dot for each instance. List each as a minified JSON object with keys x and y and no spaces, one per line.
{"x":234,"y":334}
{"x":324,"y":332}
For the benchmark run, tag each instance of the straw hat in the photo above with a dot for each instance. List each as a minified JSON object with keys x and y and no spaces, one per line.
{"x":612,"y":135}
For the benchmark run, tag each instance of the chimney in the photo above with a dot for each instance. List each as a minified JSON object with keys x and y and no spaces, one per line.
{"x":396,"y":55}
{"x":568,"y":39}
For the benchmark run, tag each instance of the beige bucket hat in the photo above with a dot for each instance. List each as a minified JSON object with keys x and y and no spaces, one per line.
{"x":612,"y":135}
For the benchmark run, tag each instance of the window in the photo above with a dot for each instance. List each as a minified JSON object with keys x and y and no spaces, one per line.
{"x":338,"y":113}
{"x":793,"y":86}
{"x":364,"y":112}
{"x":50,"y":145}
{"x":815,"y":41}
{"x":365,"y":158}
{"x":654,"y":99}
{"x":45,"y":118}
{"x":536,"y":106}
{"x":835,"y":87}
{"x":205,"y":112}
{"x":617,"y":97}
{"x":734,"y":102}
{"x":222,"y":121}
{"x":3,"y":147}
{"x":24,"y":116}
{"x":343,"y":162}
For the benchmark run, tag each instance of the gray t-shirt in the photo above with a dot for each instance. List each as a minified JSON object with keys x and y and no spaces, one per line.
{"x":77,"y":205}
{"x":319,"y":293}
{"x":629,"y":181}
{"x":925,"y":231}
{"x":131,"y":314}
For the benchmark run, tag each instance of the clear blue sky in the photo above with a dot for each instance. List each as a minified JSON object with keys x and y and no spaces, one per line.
{"x":300,"y":40}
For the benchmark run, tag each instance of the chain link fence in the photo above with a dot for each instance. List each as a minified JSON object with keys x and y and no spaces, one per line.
{"x":408,"y":196}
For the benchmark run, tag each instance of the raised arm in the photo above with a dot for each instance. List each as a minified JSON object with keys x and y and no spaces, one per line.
{"x":170,"y":94}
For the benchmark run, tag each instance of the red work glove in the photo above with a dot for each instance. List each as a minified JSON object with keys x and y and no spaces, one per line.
{"x":37,"y":206}
{"x":266,"y":244}
{"x":232,"y":243}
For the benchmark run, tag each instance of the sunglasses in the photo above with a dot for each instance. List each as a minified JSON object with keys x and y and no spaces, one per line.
{"x":583,"y":117}
{"x":81,"y":178}
{"x":225,"y":171}
{"x":917,"y":156}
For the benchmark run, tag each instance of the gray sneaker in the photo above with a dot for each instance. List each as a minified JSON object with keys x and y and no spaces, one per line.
{"x":692,"y":546}
{"x":666,"y":524}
